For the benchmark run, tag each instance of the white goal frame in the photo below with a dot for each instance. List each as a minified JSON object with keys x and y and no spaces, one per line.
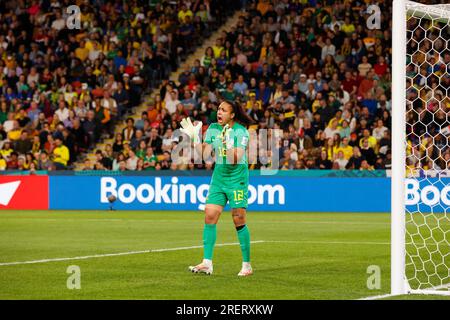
{"x":399,"y":282}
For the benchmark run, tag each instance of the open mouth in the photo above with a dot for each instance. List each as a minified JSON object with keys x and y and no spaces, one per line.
{"x":219,"y":119}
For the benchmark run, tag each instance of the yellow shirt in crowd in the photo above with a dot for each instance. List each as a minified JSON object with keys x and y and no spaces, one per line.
{"x":217,"y":50}
{"x":61,"y":155}
{"x":81,"y":53}
{"x":183,"y":14}
{"x":348,"y":151}
{"x":348,"y":28}
{"x":2,"y":164}
{"x":372,"y":142}
{"x":14,"y":134}
{"x":6,"y":152}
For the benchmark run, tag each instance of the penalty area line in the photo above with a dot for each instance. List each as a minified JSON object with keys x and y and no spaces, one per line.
{"x":119,"y":254}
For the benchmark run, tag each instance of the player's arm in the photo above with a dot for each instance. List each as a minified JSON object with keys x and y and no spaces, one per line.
{"x":234,"y":155}
{"x":237,"y":147}
{"x":206,"y":149}
{"x":203,"y":148}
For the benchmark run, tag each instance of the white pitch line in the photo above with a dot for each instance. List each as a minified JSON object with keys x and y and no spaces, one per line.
{"x":329,"y":242}
{"x":442,"y":286}
{"x":431,"y":290}
{"x":119,"y":254}
{"x":378,"y":297}
{"x":186,"y":248}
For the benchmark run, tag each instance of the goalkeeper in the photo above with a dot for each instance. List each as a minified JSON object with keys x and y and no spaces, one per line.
{"x":228,"y":138}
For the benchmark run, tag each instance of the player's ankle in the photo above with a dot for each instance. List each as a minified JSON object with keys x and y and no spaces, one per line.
{"x":207,"y":262}
{"x":246,"y":265}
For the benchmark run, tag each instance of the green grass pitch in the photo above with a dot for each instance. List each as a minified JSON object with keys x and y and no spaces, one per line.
{"x":296,"y":255}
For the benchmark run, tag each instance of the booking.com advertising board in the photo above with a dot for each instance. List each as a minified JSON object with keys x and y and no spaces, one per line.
{"x":266,"y":193}
{"x":189,"y":193}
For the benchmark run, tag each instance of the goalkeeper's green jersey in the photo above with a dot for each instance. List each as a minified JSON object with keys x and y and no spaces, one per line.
{"x":236,"y":137}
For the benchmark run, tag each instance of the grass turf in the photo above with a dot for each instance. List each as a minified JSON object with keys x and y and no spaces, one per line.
{"x":303,"y":256}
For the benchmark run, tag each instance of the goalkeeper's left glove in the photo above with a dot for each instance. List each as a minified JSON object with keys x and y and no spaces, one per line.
{"x":192,"y":131}
{"x":224,"y":132}
{"x":225,"y":136}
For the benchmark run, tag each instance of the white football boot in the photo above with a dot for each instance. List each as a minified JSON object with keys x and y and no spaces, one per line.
{"x":246,"y":270}
{"x":205,"y":267}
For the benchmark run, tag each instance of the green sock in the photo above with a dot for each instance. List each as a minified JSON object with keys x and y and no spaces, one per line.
{"x":244,"y":240}
{"x":209,"y":239}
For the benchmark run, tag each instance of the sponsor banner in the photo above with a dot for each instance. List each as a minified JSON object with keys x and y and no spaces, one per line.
{"x":24,"y":192}
{"x":270,"y":193}
{"x":266,"y":193}
{"x":426,"y":195}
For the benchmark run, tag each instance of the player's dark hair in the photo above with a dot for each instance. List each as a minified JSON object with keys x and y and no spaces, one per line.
{"x":239,"y":113}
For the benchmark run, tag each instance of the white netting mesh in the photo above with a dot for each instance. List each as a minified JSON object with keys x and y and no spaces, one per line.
{"x":428,"y":147}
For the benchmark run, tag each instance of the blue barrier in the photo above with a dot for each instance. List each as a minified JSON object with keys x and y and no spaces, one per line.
{"x":266,"y":193}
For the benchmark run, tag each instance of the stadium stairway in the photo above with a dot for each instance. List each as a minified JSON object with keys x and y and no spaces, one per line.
{"x":198,"y":54}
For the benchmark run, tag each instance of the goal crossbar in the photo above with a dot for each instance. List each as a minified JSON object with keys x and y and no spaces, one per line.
{"x":441,"y":12}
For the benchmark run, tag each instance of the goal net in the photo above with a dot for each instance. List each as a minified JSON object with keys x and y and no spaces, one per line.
{"x":422,"y":133}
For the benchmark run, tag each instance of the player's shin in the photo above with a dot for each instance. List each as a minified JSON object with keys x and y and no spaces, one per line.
{"x":209,"y":240}
{"x":244,"y":241}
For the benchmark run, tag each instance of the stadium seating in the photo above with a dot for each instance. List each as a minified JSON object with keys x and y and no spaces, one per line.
{"x":133,"y":71}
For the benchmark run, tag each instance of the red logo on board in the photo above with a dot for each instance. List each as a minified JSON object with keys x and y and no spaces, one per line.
{"x":24,"y":192}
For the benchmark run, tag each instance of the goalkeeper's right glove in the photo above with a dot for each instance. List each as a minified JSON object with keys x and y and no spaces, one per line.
{"x":192,"y":131}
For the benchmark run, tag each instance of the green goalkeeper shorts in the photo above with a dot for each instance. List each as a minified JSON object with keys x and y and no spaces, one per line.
{"x":237,"y":196}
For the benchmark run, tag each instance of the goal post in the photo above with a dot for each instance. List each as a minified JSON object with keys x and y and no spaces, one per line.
{"x":398,"y":283}
{"x":420,"y":198}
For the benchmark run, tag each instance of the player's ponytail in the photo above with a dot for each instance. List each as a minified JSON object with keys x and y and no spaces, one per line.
{"x":239,"y":113}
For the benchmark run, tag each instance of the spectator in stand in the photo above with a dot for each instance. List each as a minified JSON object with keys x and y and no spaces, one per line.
{"x":129,"y":131}
{"x":355,"y":160}
{"x":62,"y":112}
{"x":13,"y":161}
{"x":23,"y":144}
{"x":60,"y":155}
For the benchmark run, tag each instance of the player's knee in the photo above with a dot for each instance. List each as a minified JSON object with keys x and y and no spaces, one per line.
{"x":211,"y":219}
{"x":211,"y":216}
{"x":238,"y":217}
{"x":239,"y":223}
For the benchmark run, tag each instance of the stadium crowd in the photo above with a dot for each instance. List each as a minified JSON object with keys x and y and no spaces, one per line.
{"x":66,"y":79}
{"x":310,"y":68}
{"x":428,"y":89}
